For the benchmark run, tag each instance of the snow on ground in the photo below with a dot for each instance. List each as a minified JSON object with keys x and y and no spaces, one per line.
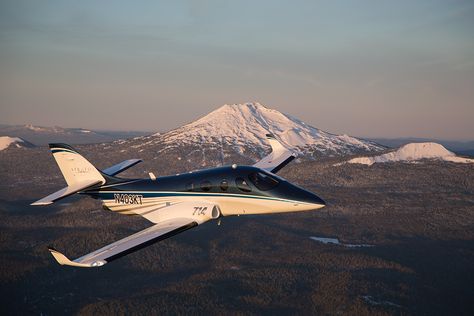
{"x":372,"y":301}
{"x":414,"y":152}
{"x":6,"y":141}
{"x":336,"y":241}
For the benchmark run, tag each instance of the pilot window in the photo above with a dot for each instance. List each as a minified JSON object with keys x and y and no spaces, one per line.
{"x":242,"y":184}
{"x":224,"y":185}
{"x":206,"y":185}
{"x":263,"y":181}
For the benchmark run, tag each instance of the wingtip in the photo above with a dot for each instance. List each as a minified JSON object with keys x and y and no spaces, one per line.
{"x":59,"y":257}
{"x":60,"y":145}
{"x":51,"y":248}
{"x":65,"y":261}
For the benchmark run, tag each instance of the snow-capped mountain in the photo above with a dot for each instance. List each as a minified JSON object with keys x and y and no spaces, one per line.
{"x":17,"y":142}
{"x":414,"y":152}
{"x":244,"y":126}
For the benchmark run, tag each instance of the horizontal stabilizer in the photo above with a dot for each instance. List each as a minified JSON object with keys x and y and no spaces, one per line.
{"x":69,"y":190}
{"x":120,"y":167}
{"x":278,"y":158}
{"x":128,"y":244}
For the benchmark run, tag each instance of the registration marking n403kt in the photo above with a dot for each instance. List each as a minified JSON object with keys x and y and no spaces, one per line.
{"x":128,"y":198}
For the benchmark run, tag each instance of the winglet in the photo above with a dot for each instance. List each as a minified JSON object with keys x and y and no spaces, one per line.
{"x":278,"y":158}
{"x":63,"y":260}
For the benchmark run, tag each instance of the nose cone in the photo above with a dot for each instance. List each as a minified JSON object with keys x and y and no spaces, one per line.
{"x":293,"y":192}
{"x":317,"y":200}
{"x":311,"y":198}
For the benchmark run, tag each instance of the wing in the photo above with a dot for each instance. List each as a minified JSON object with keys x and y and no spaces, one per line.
{"x":278,"y":158}
{"x":129,"y":244}
{"x":120,"y":167}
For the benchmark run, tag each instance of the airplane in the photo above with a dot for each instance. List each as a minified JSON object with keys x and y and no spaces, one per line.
{"x":180,"y":202}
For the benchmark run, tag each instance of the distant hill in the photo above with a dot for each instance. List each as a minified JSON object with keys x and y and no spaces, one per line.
{"x":414,"y":152}
{"x":459,"y":147}
{"x":40,"y":135}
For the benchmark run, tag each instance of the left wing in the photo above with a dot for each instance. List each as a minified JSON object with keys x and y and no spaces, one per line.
{"x":278,"y":158}
{"x":129,"y":244}
{"x":169,"y":219}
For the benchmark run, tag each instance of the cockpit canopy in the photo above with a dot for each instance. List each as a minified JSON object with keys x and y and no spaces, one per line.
{"x":263,"y":181}
{"x":244,"y":182}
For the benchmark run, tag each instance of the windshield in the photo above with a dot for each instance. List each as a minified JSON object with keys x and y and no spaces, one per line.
{"x":263,"y":181}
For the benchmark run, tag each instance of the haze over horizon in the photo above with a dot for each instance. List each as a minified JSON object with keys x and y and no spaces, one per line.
{"x":363,"y":68}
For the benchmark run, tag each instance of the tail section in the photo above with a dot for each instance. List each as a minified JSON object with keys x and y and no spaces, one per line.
{"x":79,"y":173}
{"x":75,"y":168}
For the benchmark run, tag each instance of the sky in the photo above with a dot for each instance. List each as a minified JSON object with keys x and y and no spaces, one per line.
{"x":365,"y":68}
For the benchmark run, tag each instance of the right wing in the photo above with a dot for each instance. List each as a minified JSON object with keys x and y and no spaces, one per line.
{"x":128,"y":244}
{"x":120,"y":167}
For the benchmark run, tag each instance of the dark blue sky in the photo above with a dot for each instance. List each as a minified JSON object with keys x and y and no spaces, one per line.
{"x":365,"y":68}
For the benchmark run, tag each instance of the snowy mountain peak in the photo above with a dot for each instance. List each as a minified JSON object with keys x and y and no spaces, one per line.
{"x":34,"y":128}
{"x":414,"y":152}
{"x":247,"y":124}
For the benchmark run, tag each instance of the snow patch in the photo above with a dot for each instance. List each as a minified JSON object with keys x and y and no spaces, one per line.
{"x":6,"y":141}
{"x":413,"y":152}
{"x":370,"y":299}
{"x":336,"y":241}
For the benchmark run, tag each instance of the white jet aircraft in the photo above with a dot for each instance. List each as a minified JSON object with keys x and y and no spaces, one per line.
{"x":180,"y":202}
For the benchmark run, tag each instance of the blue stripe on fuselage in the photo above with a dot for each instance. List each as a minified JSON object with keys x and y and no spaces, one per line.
{"x":109,"y":195}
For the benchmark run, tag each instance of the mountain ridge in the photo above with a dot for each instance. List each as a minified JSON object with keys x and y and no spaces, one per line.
{"x":42,"y":135}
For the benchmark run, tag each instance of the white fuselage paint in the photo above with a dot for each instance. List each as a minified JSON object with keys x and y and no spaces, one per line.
{"x":235,"y":204}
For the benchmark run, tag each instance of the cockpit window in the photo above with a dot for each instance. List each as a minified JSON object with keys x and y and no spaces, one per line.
{"x":263,"y":181}
{"x":242,"y":184}
{"x":224,"y":185}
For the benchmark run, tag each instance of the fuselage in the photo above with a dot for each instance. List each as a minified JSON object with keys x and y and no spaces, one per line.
{"x":237,"y":190}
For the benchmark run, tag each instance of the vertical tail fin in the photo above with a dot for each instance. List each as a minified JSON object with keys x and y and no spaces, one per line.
{"x":74,"y":167}
{"x":79,"y":173}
